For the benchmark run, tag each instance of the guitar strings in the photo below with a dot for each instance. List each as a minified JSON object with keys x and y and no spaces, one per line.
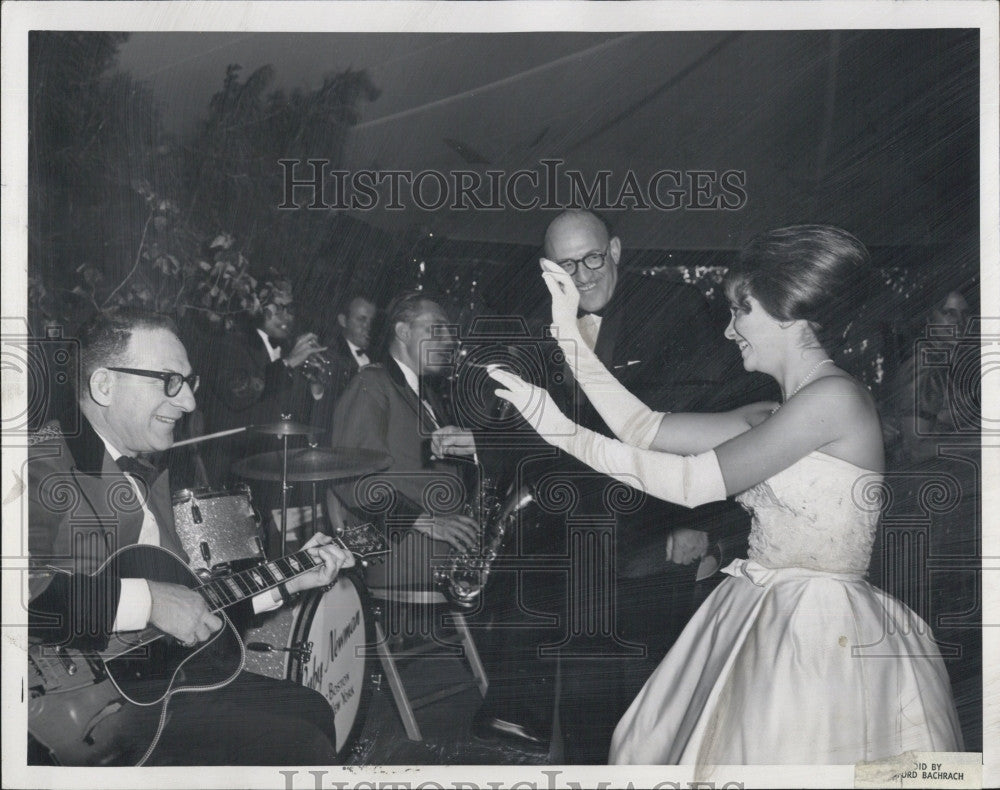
{"x":215,"y":585}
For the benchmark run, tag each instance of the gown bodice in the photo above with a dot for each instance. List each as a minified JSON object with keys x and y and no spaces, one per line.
{"x":819,"y":513}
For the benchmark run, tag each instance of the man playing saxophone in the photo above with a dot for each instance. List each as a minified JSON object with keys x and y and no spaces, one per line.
{"x":395,"y":408}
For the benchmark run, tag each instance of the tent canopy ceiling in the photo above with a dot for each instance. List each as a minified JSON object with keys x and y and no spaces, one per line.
{"x":876,"y":131}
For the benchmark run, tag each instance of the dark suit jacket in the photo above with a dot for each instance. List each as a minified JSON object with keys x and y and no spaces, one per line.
{"x":343,"y":367}
{"x":658,"y":339}
{"x":242,"y":366}
{"x":246,"y":388}
{"x":379,"y":411}
{"x":81,"y":509}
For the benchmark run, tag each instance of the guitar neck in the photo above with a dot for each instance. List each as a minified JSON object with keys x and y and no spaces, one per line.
{"x":220,"y":593}
{"x":230,"y":590}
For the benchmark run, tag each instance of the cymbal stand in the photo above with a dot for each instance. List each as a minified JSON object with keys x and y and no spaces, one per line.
{"x":313,"y":444}
{"x":284,"y":489}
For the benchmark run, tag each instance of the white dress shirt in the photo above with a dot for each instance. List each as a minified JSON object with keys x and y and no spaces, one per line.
{"x":136,"y":602}
{"x":590,"y":327}
{"x":361,"y":359}
{"x":273,"y":352}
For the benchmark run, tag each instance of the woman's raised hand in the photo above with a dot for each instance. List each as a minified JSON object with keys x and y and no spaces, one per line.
{"x":516,"y":390}
{"x":565,"y":297}
{"x":534,"y":403}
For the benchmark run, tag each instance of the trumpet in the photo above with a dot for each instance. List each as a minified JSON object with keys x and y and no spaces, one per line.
{"x":318,"y":368}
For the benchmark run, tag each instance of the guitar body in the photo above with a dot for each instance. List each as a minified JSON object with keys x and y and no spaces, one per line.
{"x":90,"y":725}
{"x":104,"y":708}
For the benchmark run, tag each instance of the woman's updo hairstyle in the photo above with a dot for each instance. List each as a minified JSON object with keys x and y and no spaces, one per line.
{"x":818,"y":273}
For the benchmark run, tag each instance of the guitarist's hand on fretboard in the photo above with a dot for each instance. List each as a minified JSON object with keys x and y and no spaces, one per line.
{"x":182,"y":613}
{"x":322,"y":548}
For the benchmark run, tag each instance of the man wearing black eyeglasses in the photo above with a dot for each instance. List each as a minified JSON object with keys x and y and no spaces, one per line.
{"x":253,"y":378}
{"x":657,"y":337}
{"x":91,"y":495}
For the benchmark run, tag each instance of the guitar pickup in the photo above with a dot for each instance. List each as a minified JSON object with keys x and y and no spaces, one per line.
{"x":221,"y":568}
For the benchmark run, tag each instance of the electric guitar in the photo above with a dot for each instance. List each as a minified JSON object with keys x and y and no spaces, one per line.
{"x":109,"y":707}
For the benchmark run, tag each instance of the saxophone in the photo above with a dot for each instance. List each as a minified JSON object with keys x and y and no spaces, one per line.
{"x":463,"y":575}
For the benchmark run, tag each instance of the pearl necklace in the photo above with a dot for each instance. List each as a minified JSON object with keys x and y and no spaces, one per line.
{"x":809,"y":376}
{"x":802,"y":383}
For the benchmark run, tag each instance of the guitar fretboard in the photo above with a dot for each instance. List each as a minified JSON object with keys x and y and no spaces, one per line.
{"x":220,"y":593}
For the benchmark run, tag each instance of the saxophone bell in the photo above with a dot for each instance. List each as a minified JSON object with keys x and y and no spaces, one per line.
{"x":464,"y":574}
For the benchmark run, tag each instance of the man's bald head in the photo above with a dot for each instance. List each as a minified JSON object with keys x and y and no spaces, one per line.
{"x":574,"y":223}
{"x":572,"y":236}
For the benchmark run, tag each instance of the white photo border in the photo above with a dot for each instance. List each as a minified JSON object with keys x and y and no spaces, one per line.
{"x":411,"y":17}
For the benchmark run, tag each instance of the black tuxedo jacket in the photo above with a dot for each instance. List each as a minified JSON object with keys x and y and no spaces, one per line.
{"x":658,"y":339}
{"x":343,"y":367}
{"x":81,"y":509}
{"x":245,"y":388}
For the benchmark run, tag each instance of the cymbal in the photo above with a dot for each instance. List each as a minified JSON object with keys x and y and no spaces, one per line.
{"x":313,"y":464}
{"x":284,"y":428}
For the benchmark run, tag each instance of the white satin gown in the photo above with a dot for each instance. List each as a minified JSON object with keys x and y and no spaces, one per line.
{"x":796,"y":659}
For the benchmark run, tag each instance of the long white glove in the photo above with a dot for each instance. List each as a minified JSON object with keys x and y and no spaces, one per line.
{"x":688,"y":480}
{"x":631,"y":420}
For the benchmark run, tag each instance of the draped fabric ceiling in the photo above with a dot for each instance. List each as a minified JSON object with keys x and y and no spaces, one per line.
{"x":876,"y":131}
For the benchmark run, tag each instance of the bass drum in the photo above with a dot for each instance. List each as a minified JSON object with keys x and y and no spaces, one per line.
{"x":322,"y":643}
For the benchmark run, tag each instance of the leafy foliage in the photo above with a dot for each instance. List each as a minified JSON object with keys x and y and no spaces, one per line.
{"x":122,"y":214}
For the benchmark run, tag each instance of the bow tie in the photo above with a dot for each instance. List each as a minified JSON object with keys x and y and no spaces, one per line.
{"x":361,"y":352}
{"x":143,"y":470}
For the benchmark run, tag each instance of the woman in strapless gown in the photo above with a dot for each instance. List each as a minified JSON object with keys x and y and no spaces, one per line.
{"x":795,"y":658}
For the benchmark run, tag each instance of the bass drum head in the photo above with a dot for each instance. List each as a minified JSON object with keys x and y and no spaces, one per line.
{"x":340,"y":627}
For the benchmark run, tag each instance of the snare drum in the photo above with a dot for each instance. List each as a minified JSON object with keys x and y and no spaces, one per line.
{"x":217,"y":526}
{"x":320,"y":643}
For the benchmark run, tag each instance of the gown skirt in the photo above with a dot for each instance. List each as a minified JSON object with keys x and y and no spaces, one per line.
{"x":792,"y":666}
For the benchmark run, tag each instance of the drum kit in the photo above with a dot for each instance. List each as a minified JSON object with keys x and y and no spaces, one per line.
{"x":320,"y":642}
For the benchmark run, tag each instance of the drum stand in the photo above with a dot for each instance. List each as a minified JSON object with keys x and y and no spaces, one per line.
{"x":284,"y":493}
{"x":288,"y":428}
{"x":315,"y":513}
{"x":284,"y":489}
